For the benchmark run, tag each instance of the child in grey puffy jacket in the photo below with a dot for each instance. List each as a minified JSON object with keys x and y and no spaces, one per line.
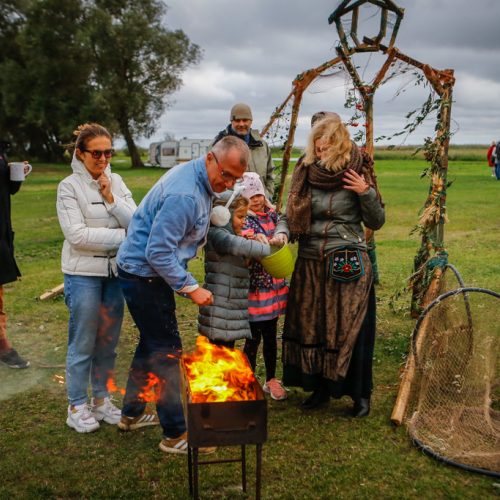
{"x":227,"y":277}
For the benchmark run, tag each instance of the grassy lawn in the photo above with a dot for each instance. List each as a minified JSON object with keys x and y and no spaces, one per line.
{"x":323,"y":454}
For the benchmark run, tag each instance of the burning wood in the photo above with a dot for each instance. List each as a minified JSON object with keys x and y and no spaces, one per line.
{"x":217,"y":374}
{"x":214,"y":374}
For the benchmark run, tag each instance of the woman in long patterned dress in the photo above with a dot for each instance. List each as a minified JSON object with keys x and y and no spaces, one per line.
{"x":329,"y":327}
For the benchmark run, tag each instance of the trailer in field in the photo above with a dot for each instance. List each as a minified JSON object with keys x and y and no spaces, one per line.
{"x":166,"y":154}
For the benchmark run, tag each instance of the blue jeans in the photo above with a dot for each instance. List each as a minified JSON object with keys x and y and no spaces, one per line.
{"x":95,"y":319}
{"x":152,"y":306}
{"x":497,"y":171}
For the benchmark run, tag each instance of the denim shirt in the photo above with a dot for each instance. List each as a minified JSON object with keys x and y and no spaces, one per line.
{"x":169,"y":225}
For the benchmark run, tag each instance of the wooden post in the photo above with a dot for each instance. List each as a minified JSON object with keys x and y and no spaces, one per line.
{"x":368,"y":107}
{"x":289,"y":144}
{"x":401,"y":404}
{"x":433,"y":235}
{"x":276,"y":114}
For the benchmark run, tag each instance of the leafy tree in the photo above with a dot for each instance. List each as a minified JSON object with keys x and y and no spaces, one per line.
{"x":64,"y":62}
{"x":12,"y":17}
{"x":138,"y":62}
{"x":45,"y":79}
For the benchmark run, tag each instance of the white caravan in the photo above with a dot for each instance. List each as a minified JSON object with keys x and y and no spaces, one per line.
{"x":168,"y":153}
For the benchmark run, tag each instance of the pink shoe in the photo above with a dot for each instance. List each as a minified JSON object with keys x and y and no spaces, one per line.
{"x":275,"y":388}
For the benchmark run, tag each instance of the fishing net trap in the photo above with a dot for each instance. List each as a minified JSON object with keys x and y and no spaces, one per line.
{"x":453,"y":411}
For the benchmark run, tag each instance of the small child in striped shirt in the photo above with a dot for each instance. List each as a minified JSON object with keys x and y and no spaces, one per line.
{"x":267,"y":295}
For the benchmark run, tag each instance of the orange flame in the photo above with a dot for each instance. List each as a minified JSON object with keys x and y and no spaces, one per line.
{"x":150,"y":393}
{"x":217,"y":373}
{"x":112,"y":387}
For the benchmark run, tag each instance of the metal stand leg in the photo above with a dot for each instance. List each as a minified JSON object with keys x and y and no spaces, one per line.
{"x":243,"y":468}
{"x":258,"y":472}
{"x":194,"y":463}
{"x":190,"y":471}
{"x":195,"y":467}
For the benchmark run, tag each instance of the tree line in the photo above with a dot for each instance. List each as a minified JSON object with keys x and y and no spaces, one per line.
{"x":66,"y":62}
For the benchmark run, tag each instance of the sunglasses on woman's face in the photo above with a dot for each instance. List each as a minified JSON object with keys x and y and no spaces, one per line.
{"x":96,"y":153}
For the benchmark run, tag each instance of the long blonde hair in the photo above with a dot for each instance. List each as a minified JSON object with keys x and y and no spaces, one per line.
{"x":339,"y":142}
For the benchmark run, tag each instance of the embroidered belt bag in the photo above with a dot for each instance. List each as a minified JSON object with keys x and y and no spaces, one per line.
{"x":345,"y":264}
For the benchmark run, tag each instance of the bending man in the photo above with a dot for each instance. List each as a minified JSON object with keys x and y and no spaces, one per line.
{"x":166,"y":231}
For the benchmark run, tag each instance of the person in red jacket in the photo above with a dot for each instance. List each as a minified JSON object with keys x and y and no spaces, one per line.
{"x":491,"y":155}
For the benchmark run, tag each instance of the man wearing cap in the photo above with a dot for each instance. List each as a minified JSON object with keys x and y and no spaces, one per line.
{"x":260,"y":154}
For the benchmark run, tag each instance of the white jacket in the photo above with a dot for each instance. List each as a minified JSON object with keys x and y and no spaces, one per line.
{"x":93,"y":228}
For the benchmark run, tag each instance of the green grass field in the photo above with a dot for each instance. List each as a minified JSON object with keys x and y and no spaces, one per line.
{"x":323,"y":454}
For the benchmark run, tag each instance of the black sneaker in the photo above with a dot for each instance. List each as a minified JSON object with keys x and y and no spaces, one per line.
{"x":12,"y":359}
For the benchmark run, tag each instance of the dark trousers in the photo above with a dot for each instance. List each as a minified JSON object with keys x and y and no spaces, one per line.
{"x":267,"y":331}
{"x":4,"y":343}
{"x":223,"y":343}
{"x":152,"y":306}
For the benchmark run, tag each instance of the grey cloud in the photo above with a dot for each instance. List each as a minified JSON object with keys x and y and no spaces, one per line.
{"x":267,"y":43}
{"x":452,"y":23}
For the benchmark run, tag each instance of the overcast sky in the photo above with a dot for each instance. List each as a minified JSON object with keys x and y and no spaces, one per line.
{"x":252,"y":50}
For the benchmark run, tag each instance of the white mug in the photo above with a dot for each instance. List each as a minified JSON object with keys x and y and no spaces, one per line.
{"x":17,"y":170}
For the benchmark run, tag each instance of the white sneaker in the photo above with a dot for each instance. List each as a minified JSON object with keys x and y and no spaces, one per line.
{"x":106,"y":411}
{"x":81,"y":419}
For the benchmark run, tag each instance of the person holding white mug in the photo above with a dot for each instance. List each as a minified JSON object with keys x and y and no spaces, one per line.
{"x":19,"y":170}
{"x":8,"y":268}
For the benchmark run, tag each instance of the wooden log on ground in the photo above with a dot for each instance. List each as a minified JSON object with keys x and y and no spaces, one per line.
{"x":52,"y":293}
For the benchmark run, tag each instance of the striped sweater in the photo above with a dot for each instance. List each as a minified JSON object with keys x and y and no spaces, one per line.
{"x":267,"y":295}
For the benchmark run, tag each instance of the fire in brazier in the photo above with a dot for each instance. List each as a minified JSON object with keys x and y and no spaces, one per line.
{"x":217,"y":374}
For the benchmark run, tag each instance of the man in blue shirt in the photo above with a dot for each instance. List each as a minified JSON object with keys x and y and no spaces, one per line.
{"x":167,"y":229}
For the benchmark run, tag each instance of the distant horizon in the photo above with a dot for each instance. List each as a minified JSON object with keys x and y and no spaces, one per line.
{"x":144,"y":144}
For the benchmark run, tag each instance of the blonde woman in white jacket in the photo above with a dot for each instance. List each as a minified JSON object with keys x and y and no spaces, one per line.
{"x":94,"y":208}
